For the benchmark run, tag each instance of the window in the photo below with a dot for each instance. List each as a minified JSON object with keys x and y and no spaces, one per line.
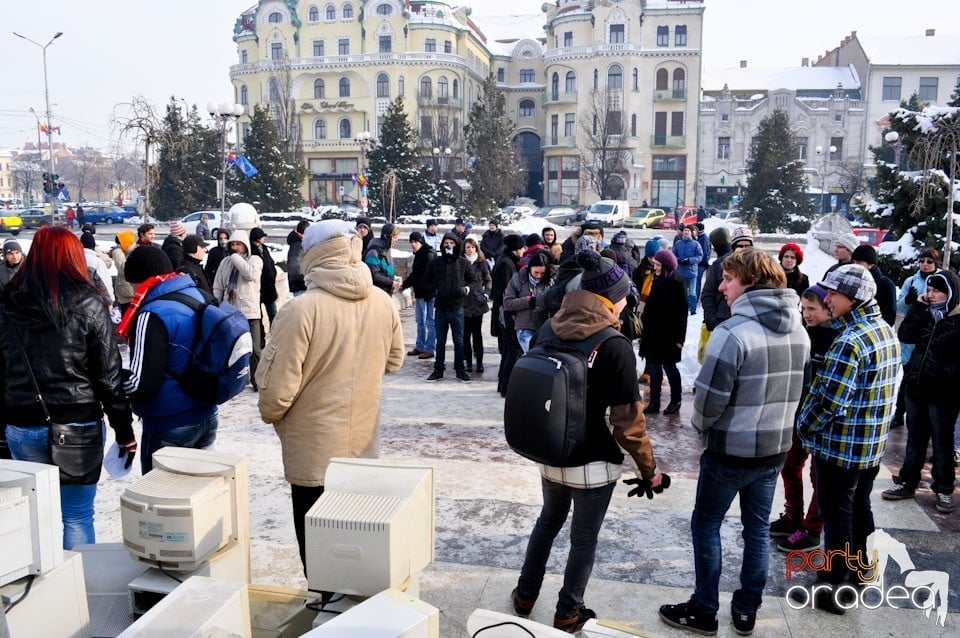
{"x":636,"y":79}
{"x":456,"y":89}
{"x":679,"y":84}
{"x":244,"y":95}
{"x":676,"y":123}
{"x":244,"y":57}
{"x":616,"y":34}
{"x":383,"y":85}
{"x":401,"y":86}
{"x":319,"y":89}
{"x":615,"y":78}
{"x":568,"y":38}
{"x":345,"y":129}
{"x":596,"y":79}
{"x":344,"y":87}
{"x":838,"y":117}
{"x":343,"y":46}
{"x":276,"y":50}
{"x":570,"y":84}
{"x":527,"y":76}
{"x":555,"y":87}
{"x":614,"y":121}
{"x":313,"y":14}
{"x":273,"y":90}
{"x":554,"y":125}
{"x":318,"y":48}
{"x":426,"y":88}
{"x":275,"y":18}
{"x":347,"y":12}
{"x":526,"y":108}
{"x":663,"y":78}
{"x":320,"y":130}
{"x":633,"y":125}
{"x":891,"y":89}
{"x":430,"y":45}
{"x":330,"y":13}
{"x":569,"y":124}
{"x":501,"y":74}
{"x":426,"y":127}
{"x":802,"y":143}
{"x":443,"y":89}
{"x":723,"y":148}
{"x":384,"y":10}
{"x":663,"y":36}
{"x":447,"y":46}
{"x":928,"y":89}
{"x":837,"y":155}
{"x":680,"y":35}
{"x":386,"y":44}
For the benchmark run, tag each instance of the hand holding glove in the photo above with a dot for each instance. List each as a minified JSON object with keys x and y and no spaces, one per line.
{"x":657,"y":484}
{"x":128,"y":449}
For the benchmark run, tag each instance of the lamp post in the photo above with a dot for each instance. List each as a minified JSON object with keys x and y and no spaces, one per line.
{"x":823,"y":172}
{"x":893,"y":139}
{"x":46,"y":95}
{"x":39,"y":149}
{"x":366,"y":142}
{"x":443,"y":159}
{"x":224,"y":113}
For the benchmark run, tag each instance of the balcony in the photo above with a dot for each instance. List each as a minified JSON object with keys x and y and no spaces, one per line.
{"x":565,"y":53}
{"x":668,"y":141}
{"x":559,"y":98}
{"x":334,"y":145}
{"x":559,"y":141}
{"x":670,"y":95}
{"x":305,"y":63}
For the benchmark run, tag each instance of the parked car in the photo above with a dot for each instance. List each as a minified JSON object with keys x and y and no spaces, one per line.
{"x":871,"y":236}
{"x":34,"y":218}
{"x":559,"y":215}
{"x":668,"y":222}
{"x":645,"y":218}
{"x":609,"y":212}
{"x":509,"y":214}
{"x":10,"y":222}
{"x":731,"y":216}
{"x":688,"y":214}
{"x":105,"y":215}
{"x":190,"y":221}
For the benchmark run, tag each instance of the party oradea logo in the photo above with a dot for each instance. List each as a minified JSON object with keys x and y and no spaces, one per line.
{"x":915,"y":589}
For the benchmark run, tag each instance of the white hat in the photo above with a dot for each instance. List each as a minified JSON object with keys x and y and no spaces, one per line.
{"x":326,"y":229}
{"x":848,"y":241}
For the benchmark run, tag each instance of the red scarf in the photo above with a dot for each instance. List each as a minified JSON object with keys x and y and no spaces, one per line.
{"x":134,"y":306}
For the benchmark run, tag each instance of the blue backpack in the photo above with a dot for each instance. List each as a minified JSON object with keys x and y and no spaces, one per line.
{"x":219,"y":367}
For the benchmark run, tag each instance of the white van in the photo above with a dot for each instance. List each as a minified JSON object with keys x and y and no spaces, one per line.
{"x":609,"y":212}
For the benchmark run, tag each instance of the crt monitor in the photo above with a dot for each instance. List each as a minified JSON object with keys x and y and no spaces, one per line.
{"x":372,"y":528}
{"x":31,"y":527}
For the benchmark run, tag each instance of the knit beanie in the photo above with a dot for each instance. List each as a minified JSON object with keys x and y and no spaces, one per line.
{"x":416,"y":236}
{"x":602,"y":276}
{"x":587,"y":242}
{"x":742,"y":233}
{"x":865,"y":253}
{"x":11,"y":244}
{"x":513,"y":242}
{"x":326,"y":229}
{"x":364,"y":221}
{"x":667,"y":260}
{"x":388,"y":230}
{"x":126,"y":238}
{"x":88,"y":241}
{"x":620,"y":238}
{"x":145,"y":262}
{"x":256,"y":234}
{"x":720,"y":239}
{"x":533,"y":239}
{"x":795,"y":249}
{"x":848,"y":241}
{"x":851,"y":280}
{"x":650,"y":248}
{"x":177,"y":229}
{"x":819,"y":291}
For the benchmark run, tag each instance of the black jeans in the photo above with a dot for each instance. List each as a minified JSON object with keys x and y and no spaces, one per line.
{"x":843,"y":496}
{"x":930,"y":420}
{"x":473,"y":339}
{"x":303,"y":499}
{"x":657,"y":368}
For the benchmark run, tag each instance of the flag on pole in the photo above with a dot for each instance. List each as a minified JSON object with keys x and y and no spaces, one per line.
{"x":52,"y":129}
{"x":242,"y":163}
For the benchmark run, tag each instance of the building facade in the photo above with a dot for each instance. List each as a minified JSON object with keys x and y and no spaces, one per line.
{"x":628,"y":67}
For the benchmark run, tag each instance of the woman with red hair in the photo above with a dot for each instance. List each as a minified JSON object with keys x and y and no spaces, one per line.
{"x":57,"y":340}
{"x":791,"y":256}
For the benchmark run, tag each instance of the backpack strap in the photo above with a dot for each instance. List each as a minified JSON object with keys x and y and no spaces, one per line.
{"x":588,"y":347}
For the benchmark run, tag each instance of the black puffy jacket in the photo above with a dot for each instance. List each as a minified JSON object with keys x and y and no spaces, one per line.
{"x":934,"y":367}
{"x":78,"y":367}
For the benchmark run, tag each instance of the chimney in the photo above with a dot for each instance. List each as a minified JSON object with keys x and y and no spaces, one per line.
{"x":743,"y":64}
{"x":931,"y":32}
{"x":804,"y":61}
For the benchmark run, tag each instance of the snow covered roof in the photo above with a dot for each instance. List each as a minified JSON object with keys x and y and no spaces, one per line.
{"x":804,"y":78}
{"x":509,"y":27}
{"x":934,"y":50}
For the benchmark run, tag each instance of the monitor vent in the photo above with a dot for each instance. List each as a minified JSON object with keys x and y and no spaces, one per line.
{"x":357,"y":512}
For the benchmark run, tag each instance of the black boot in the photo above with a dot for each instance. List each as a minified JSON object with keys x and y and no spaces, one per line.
{"x":654,"y":406}
{"x":673,"y":407}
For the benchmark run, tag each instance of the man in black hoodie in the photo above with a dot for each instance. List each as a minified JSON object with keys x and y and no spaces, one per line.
{"x":866,"y":256}
{"x":424,"y":309}
{"x":449,"y":276}
{"x":491,"y":243}
{"x":295,"y":281}
{"x":501,"y":323}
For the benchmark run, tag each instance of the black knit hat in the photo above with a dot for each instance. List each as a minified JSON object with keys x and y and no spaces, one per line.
{"x":145,"y":262}
{"x":602,"y":276}
{"x":513,"y":242}
{"x":416,"y":236}
{"x":865,"y":253}
{"x":256,"y":234}
{"x":533,"y":239}
{"x":88,"y":240}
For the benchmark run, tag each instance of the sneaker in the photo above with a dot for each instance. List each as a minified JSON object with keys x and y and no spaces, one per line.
{"x":782,"y":527}
{"x":435,"y":376}
{"x":463,"y":376}
{"x":945,"y":503}
{"x":425,"y":355}
{"x":521,"y":606}
{"x":575,"y":621}
{"x":898,"y":493}
{"x":800,"y":540}
{"x":672,"y":408}
{"x":683,"y":616}
{"x":414,"y":352}
{"x":743,"y":623}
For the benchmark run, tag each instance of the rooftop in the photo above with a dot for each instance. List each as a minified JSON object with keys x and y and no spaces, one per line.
{"x":932,"y":50}
{"x":803,"y":78}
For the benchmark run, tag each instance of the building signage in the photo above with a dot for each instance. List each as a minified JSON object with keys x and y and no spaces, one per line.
{"x":341,"y":105}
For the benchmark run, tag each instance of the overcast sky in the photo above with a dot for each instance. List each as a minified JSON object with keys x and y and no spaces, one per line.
{"x":112,"y":50}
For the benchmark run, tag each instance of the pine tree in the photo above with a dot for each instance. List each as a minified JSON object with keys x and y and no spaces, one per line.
{"x":496,"y":170}
{"x":776,"y":186}
{"x":187,"y":166}
{"x":276,"y":187}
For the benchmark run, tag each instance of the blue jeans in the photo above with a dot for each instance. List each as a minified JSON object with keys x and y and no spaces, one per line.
{"x":843,"y":496}
{"x":589,"y":509}
{"x":691,"y":292}
{"x":452,"y":319}
{"x":198,"y":436}
{"x":525,"y":336}
{"x":31,"y":443}
{"x":426,"y":337}
{"x":717,"y":486}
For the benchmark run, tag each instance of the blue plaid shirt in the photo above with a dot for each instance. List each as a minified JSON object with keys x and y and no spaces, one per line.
{"x":845,"y":418}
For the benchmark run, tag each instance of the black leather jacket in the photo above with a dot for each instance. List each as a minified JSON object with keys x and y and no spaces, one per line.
{"x":77,"y":367}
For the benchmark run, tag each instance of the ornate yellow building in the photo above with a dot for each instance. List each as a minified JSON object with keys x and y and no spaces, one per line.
{"x":328,"y":69}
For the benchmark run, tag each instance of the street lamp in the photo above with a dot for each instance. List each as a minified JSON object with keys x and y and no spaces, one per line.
{"x":46,"y":94}
{"x":893,"y":139}
{"x":366,"y":142}
{"x":823,"y":172}
{"x":224,"y":113}
{"x":443,"y":158}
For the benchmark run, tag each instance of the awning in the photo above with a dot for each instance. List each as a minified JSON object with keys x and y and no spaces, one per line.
{"x":463,"y":184}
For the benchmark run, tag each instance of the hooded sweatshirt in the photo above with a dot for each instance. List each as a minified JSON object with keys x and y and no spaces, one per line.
{"x":751,"y":380}
{"x":449,"y":276}
{"x":238,"y":278}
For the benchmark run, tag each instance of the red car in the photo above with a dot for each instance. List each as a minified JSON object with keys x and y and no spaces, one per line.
{"x":871,"y":236}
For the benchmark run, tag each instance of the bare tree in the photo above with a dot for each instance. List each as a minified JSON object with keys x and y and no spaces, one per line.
{"x":851,"y":177}
{"x":936,"y":151}
{"x":138,"y":121}
{"x":283,"y":110}
{"x":26,"y":177}
{"x":603,"y":151}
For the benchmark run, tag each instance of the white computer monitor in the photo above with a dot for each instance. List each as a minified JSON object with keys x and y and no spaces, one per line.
{"x":389,"y":614}
{"x":31,"y":526}
{"x":191,"y":505}
{"x":373,"y":527}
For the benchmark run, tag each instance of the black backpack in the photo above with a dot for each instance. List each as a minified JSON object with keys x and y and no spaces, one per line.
{"x":545,"y":415}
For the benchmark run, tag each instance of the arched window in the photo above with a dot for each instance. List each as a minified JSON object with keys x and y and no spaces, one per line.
{"x":456,"y":89}
{"x":244,"y":95}
{"x":596,"y":79}
{"x":320,"y":129}
{"x":555,"y":86}
{"x":615,"y":77}
{"x":275,"y":18}
{"x":383,"y":85}
{"x":401,"y":86}
{"x":344,"y":87}
{"x":527,"y":108}
{"x":679,"y":83}
{"x":319,"y":89}
{"x":273,"y":90}
{"x":426,"y":87}
{"x":345,"y":130}
{"x":347,"y":11}
{"x":384,"y":10}
{"x":443,"y":89}
{"x":633,"y":125}
{"x":636,"y":79}
{"x":570,"y":85}
{"x":331,"y":13}
{"x":313,"y":14}
{"x":663,"y":78}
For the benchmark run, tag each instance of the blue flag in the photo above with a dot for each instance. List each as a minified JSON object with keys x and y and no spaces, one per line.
{"x":241,"y":162}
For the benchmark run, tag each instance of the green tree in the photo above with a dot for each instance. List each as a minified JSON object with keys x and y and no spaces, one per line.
{"x":776,"y":192}
{"x":276,"y":186}
{"x":495,"y":168}
{"x":187,"y":164}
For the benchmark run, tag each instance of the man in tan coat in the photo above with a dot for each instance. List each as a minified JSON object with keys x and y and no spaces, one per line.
{"x":322,"y":370}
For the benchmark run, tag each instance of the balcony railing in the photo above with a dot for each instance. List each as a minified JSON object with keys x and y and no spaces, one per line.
{"x":597,"y":49}
{"x":561,"y":97}
{"x":559,"y":141}
{"x":668,"y":141}
{"x":328,"y":60}
{"x":670,"y":95}
{"x":330,"y":145}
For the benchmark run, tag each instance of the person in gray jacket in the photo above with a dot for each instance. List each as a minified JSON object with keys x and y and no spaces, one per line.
{"x":521,"y":296}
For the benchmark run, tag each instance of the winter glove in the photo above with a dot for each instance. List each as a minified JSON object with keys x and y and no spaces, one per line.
{"x":684,"y":261}
{"x":465,"y":291}
{"x":911,"y":297}
{"x":128,"y":449}
{"x":643,"y":486}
